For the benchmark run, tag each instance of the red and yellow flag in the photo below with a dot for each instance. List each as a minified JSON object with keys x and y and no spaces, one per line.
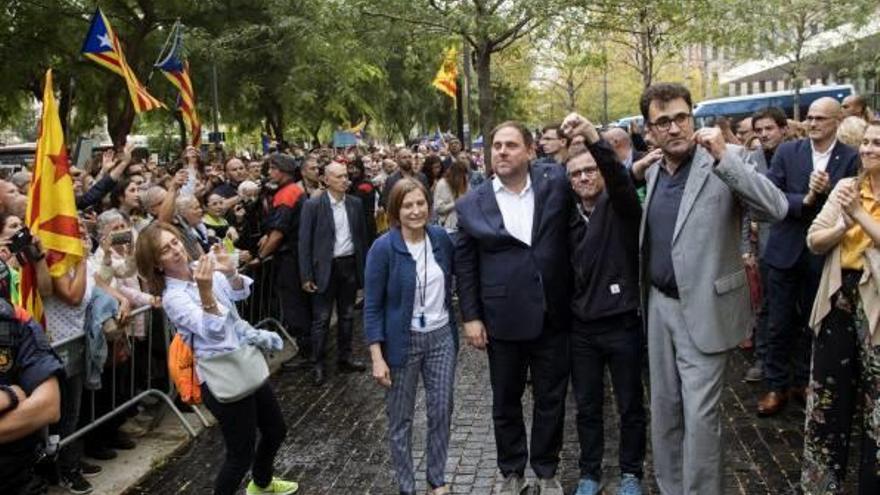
{"x":51,"y":205}
{"x":446,"y":79}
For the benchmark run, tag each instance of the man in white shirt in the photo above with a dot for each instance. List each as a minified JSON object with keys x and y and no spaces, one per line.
{"x":513,"y":270}
{"x":332,"y":248}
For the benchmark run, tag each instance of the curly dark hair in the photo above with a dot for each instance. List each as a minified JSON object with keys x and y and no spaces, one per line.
{"x":663,"y":92}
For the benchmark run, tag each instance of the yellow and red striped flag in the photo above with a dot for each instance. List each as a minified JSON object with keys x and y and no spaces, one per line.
{"x":446,"y":79}
{"x":103,"y":47}
{"x":51,"y":206}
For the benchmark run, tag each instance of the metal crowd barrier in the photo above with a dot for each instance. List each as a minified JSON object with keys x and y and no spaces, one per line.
{"x":262,"y":307}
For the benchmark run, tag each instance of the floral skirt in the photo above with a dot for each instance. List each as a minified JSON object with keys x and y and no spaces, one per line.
{"x":845,"y":376}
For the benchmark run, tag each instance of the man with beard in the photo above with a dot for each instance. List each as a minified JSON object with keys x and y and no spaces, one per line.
{"x":404,"y":169}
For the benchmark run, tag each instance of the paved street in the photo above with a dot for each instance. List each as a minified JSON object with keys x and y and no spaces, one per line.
{"x":336,"y":441}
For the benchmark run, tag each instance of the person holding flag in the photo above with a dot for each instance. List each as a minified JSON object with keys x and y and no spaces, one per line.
{"x":51,"y":216}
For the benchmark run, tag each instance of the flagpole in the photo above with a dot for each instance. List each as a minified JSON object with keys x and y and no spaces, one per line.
{"x":466,"y":96}
{"x":163,"y":52}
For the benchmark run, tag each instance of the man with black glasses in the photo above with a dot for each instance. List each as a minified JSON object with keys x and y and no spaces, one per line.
{"x":694,"y":290}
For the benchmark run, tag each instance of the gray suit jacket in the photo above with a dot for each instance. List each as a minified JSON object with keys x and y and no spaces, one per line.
{"x":711,"y":280}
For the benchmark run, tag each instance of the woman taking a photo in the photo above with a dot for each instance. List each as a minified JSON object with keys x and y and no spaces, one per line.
{"x":199,"y":302}
{"x":846,"y":353}
{"x":410,"y":328}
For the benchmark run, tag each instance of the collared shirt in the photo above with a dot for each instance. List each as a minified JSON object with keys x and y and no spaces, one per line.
{"x":820,"y":160}
{"x":208,"y":333}
{"x":517,"y":209}
{"x":856,"y":241}
{"x":662,"y":216}
{"x":342,"y":244}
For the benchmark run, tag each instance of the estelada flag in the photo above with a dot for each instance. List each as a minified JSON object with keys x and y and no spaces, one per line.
{"x":446,"y":79}
{"x":103,"y":46}
{"x":176,"y":70}
{"x":51,"y":205}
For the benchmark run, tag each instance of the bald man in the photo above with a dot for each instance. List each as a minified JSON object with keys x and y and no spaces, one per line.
{"x":332,"y":250}
{"x":623,"y":147}
{"x":805,"y":170}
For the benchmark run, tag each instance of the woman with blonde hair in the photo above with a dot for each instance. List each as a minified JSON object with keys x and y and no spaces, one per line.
{"x":845,"y":367}
{"x":851,"y":130}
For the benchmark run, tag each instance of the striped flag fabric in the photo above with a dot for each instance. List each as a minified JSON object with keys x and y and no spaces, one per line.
{"x":176,"y":70}
{"x":104,"y":48}
{"x":51,"y":207}
{"x":446,"y":79}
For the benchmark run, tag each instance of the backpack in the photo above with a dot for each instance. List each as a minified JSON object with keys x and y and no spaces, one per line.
{"x":182,"y":370}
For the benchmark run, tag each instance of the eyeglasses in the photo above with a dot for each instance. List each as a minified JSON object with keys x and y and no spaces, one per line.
{"x":585,"y":172}
{"x":664,"y":123}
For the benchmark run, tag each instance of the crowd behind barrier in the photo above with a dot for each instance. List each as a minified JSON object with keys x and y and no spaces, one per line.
{"x":249,"y":210}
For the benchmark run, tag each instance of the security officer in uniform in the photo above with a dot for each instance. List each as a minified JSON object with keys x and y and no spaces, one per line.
{"x":281,"y":239}
{"x":30,"y":398}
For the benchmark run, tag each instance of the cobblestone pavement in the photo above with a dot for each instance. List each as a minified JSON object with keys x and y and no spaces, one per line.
{"x":336,"y":442}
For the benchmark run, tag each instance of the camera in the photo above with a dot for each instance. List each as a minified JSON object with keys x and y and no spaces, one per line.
{"x":122,"y":237}
{"x":22,"y":243}
{"x":173,"y":167}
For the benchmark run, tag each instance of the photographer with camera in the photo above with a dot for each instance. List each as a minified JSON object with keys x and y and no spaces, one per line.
{"x":17,"y":249}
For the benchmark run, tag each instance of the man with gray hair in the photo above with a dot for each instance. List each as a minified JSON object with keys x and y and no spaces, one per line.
{"x":21,"y":180}
{"x":623,"y":147}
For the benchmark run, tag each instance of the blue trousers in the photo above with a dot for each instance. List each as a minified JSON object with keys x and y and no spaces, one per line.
{"x":432,"y":357}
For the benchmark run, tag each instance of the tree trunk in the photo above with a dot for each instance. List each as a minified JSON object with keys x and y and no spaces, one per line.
{"x":119,"y":119}
{"x":487,"y":110}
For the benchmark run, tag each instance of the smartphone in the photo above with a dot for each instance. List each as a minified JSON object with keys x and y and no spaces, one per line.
{"x":123,"y":237}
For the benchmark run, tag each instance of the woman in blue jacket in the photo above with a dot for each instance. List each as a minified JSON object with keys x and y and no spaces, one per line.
{"x":410,"y":328}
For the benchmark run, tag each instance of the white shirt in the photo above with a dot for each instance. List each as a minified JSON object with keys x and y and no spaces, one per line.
{"x":517,"y":210}
{"x":64,"y":321}
{"x":433,"y":306}
{"x":820,"y":160}
{"x":342,"y":245}
{"x":208,"y":333}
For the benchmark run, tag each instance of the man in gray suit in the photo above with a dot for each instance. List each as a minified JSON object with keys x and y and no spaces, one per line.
{"x":694,"y":288}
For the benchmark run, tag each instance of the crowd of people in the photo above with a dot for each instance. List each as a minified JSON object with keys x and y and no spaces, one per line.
{"x":610,"y":247}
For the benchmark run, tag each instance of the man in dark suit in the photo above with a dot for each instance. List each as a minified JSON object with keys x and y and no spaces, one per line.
{"x":332,"y":247}
{"x":513,"y":282}
{"x":805,"y":170}
{"x":770,"y":126}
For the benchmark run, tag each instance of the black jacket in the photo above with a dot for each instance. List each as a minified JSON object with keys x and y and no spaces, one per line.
{"x":514,"y":288}
{"x":605,"y":251}
{"x":317,"y":234}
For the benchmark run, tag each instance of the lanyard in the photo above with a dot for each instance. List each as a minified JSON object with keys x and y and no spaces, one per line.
{"x":422,"y":286}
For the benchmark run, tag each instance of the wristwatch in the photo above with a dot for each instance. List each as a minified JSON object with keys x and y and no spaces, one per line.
{"x":13,"y":399}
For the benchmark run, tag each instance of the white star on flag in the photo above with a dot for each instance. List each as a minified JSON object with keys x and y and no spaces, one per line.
{"x":105,"y":40}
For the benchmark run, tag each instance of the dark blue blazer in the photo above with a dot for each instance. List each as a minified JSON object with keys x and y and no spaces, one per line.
{"x":390,"y":287}
{"x":790,"y":171}
{"x":512,"y":287}
{"x":317,"y":234}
